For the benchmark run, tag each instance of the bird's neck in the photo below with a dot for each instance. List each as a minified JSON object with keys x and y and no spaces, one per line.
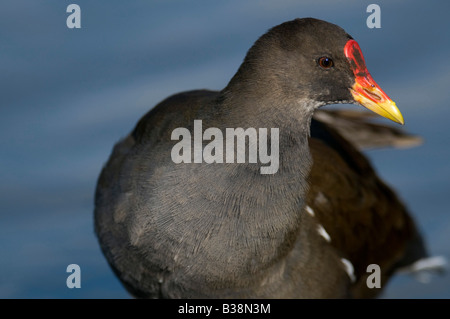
{"x":274,"y":201}
{"x":243,"y":107}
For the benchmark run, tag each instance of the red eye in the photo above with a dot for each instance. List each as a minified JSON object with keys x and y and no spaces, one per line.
{"x":325,"y":62}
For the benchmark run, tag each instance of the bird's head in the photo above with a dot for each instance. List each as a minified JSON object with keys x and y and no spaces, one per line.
{"x":313,"y":60}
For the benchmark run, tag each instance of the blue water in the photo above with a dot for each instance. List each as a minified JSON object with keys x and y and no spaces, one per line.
{"x":66,"y":96}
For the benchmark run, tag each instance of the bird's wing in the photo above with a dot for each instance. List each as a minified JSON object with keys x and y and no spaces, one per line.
{"x":364,"y":219}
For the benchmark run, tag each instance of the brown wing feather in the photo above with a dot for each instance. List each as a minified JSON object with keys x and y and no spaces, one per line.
{"x":361,"y":129}
{"x":366,"y":221}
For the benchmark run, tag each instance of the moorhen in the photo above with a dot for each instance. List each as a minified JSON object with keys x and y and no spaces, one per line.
{"x":306,"y":227}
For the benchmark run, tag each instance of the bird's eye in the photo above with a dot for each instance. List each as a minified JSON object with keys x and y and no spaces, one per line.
{"x":325,"y":62}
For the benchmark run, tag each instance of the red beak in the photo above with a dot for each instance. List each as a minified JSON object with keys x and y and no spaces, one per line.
{"x":366,"y":91}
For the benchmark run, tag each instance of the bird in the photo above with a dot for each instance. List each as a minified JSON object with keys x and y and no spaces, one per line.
{"x":310,"y":228}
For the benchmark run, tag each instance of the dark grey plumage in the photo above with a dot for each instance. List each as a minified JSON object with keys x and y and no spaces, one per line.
{"x":224,"y":230}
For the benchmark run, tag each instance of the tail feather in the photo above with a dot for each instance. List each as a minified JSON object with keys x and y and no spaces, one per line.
{"x":362,"y":131}
{"x":423,"y":269}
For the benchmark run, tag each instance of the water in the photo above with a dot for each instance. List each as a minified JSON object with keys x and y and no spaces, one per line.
{"x":68,"y":95}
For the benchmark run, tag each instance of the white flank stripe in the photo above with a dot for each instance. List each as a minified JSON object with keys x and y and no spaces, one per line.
{"x":349,"y":269}
{"x":322,"y":232}
{"x":310,"y":210}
